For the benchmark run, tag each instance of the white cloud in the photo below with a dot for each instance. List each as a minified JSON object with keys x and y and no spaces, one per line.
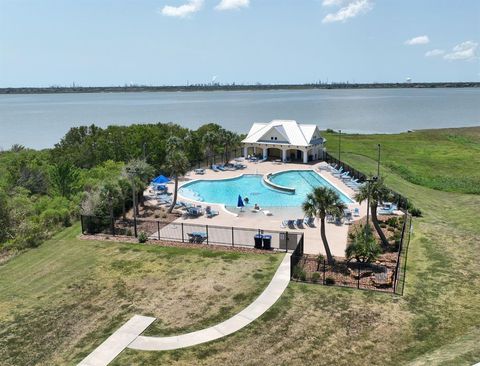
{"x":184,"y":10}
{"x":417,"y":40}
{"x":232,"y":4}
{"x":350,"y":10}
{"x":435,"y":52}
{"x":333,"y":2}
{"x":463,"y":51}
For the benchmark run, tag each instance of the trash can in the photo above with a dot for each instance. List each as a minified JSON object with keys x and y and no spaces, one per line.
{"x":258,"y":241}
{"x":267,"y":242}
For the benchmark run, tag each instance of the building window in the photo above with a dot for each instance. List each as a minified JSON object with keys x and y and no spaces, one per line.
{"x":275,"y":138}
{"x":271,"y":138}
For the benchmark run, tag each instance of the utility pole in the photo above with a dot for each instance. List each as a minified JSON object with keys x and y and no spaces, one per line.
{"x":378,"y":161}
{"x":339,"y":143}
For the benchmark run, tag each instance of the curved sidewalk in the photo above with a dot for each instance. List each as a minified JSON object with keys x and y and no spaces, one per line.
{"x":128,"y":335}
{"x":267,"y":298}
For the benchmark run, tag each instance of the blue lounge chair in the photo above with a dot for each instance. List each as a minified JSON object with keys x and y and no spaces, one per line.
{"x":215,"y":168}
{"x":194,"y":211}
{"x":387,"y":209}
{"x":210,"y":213}
{"x":221,"y":168}
{"x":309,"y":221}
{"x":299,"y":223}
{"x":197,"y":237}
{"x":356,"y":212}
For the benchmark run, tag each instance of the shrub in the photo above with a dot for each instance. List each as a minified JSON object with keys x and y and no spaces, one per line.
{"x":142,"y":237}
{"x":416,"y":212}
{"x":299,"y":274}
{"x":393,"y":222}
{"x":383,"y":225}
{"x":329,"y":281}
{"x":315,"y":277}
{"x":391,"y":229}
{"x":364,"y":247}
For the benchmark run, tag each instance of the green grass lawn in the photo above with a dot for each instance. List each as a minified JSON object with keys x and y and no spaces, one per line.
{"x":61,"y":300}
{"x":443,"y":159}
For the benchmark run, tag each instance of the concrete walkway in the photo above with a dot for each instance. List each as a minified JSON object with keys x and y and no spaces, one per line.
{"x":267,"y":298}
{"x":128,"y":335}
{"x":116,"y":343}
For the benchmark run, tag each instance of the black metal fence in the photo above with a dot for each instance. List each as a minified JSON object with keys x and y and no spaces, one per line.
{"x":296,"y":256}
{"x":185,"y":232}
{"x":384,"y":276}
{"x":400,"y":200}
{"x":401,"y":268}
{"x":213,"y":159}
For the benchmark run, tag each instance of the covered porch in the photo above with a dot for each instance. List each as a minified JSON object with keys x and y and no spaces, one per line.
{"x":286,"y":153}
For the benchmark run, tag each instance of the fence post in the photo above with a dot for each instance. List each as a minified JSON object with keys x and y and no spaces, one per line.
{"x":358,"y":277}
{"x":324,"y":269}
{"x":286,"y":241}
{"x":233,"y":237}
{"x":158,"y":229}
{"x":206,"y":229}
{"x":183,"y":235}
{"x":112,"y":225}
{"x":81,"y":224}
{"x":135,"y":225}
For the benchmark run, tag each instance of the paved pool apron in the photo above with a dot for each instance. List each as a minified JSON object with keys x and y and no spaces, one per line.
{"x":128,"y":336}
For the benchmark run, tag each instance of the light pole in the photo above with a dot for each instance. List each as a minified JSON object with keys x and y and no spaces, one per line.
{"x":378,"y":161}
{"x":339,"y":143}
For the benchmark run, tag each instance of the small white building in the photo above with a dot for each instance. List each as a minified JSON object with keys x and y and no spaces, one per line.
{"x":285,"y":140}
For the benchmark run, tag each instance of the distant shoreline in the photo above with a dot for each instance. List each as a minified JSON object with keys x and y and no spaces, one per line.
{"x":232,"y":87}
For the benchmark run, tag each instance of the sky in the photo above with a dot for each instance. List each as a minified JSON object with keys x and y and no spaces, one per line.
{"x":179,"y":42}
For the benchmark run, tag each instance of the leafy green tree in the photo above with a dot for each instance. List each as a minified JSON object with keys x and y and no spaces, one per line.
{"x":319,"y":203}
{"x":138,"y":172}
{"x":124,"y":190}
{"x":109,"y":196}
{"x":378,"y":193}
{"x":364,"y":248}
{"x":177,"y":164}
{"x":64,"y":177}
{"x":209,"y":140}
{"x":4,"y":217}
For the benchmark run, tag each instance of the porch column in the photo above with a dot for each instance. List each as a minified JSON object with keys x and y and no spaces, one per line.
{"x":265,"y":152}
{"x":245,"y":151}
{"x":305,"y":156}
{"x":254,"y":150}
{"x":284,"y":155}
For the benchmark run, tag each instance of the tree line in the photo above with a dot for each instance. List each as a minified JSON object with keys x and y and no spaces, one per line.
{"x":101,"y":171}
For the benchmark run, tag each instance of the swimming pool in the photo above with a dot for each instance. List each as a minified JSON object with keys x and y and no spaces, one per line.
{"x":226,"y":191}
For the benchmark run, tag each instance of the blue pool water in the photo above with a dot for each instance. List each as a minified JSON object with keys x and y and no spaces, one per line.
{"x":226,"y":191}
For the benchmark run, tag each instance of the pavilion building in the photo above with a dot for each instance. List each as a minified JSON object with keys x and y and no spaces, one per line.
{"x":286,"y":140}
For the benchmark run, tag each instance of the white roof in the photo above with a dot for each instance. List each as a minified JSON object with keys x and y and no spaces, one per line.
{"x":293,"y":132}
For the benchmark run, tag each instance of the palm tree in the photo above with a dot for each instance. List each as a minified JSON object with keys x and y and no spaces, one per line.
{"x":320,"y":202}
{"x":227,"y":139}
{"x":378,"y":193}
{"x":138,"y":172}
{"x":177,"y":164}
{"x":209,"y":140}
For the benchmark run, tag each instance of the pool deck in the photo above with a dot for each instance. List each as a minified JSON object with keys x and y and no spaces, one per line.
{"x":336,"y":234}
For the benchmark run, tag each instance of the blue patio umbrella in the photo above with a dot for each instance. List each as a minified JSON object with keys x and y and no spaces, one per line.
{"x":161,"y":179}
{"x":240,"y":202}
